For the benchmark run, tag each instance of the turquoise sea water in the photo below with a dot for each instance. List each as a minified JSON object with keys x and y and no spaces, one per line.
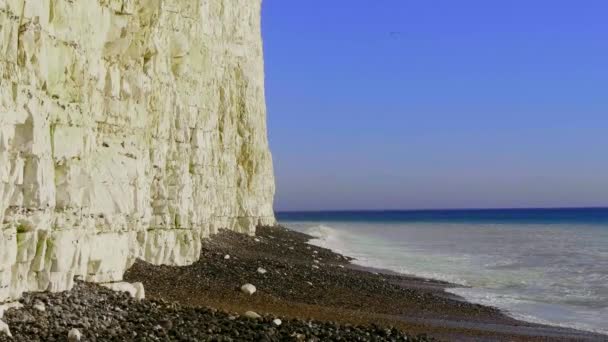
{"x":541,"y":265}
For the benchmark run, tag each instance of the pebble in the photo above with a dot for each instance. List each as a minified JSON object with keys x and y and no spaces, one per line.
{"x":248,"y":289}
{"x":252,"y":315}
{"x":261,"y":270}
{"x":74,"y":335}
{"x":309,"y":283}
{"x":227,"y":256}
{"x":166,"y":324}
{"x":315,"y":267}
{"x":256,"y":240}
{"x":277,"y":322}
{"x":38,"y":305}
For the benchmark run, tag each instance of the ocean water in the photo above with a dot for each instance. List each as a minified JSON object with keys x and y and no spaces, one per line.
{"x":540,"y":265}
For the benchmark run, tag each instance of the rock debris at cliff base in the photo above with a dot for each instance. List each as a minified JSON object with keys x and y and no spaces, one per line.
{"x":100,"y":314}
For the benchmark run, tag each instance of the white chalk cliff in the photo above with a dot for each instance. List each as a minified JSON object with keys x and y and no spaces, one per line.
{"x":128,"y":129}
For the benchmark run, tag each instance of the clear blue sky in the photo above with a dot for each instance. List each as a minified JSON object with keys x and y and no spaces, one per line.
{"x":380,"y":104}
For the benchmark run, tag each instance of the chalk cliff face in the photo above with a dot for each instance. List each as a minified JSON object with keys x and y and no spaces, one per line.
{"x":128,"y":129}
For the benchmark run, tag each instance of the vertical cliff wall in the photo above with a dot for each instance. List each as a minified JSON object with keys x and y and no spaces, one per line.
{"x":128,"y":129}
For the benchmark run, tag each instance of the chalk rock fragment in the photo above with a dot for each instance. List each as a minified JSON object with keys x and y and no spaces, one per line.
{"x":39,"y":306}
{"x":135,"y":290}
{"x":74,"y":335}
{"x":4,"y":329}
{"x":248,"y":289}
{"x":252,"y":315}
{"x":140,"y":293}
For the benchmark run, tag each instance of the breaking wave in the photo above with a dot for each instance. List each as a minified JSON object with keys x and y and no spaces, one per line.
{"x":540,"y":273}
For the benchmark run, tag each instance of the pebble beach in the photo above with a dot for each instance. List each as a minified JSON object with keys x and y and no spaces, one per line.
{"x":270,"y":287}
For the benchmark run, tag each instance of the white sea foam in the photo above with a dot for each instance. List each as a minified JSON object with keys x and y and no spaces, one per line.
{"x":540,"y":273}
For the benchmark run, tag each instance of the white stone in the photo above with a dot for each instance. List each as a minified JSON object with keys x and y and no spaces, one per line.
{"x":126,"y":131}
{"x":315,"y":267}
{"x":277,"y":322}
{"x":252,"y":315}
{"x":226,"y":257}
{"x":140,"y":293}
{"x":309,"y":283}
{"x":39,"y":306}
{"x":256,"y":240}
{"x":248,"y":289}
{"x":74,"y":335}
{"x":135,"y":290}
{"x":4,"y":329}
{"x":261,"y":270}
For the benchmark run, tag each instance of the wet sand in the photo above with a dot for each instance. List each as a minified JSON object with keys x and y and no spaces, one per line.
{"x":308,"y":282}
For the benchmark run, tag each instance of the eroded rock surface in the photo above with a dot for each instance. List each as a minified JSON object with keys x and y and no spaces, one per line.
{"x":128,"y":129}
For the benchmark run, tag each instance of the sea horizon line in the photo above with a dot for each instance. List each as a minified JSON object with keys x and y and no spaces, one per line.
{"x":440,"y":209}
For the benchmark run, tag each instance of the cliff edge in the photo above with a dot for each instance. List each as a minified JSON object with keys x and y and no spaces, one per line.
{"x":128,"y":129}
